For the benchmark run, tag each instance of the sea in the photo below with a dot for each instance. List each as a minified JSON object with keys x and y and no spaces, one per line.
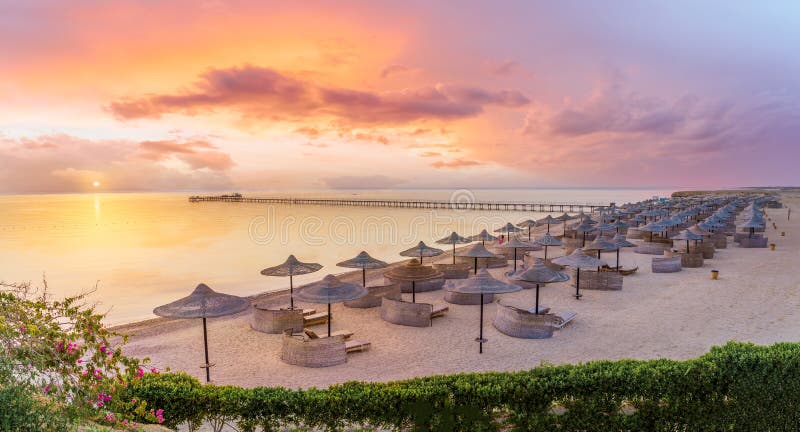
{"x":136,"y":251}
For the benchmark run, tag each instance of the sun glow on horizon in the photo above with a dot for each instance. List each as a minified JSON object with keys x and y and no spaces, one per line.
{"x":96,"y":184}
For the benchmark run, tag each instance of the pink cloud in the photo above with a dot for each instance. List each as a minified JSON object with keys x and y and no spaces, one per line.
{"x":393,"y":69}
{"x":64,"y":163}
{"x":265,"y":93}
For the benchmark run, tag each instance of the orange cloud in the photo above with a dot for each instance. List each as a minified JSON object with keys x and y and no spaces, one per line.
{"x":455,"y":163}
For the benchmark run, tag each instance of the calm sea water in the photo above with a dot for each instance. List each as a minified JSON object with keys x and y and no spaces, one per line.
{"x":144,"y":250}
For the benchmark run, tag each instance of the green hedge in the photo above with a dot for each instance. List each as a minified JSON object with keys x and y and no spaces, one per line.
{"x":734,"y":387}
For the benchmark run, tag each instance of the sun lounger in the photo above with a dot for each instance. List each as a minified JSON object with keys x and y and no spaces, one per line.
{"x":313,"y":335}
{"x":356,"y":346}
{"x":542,"y":309}
{"x":439,"y":311}
{"x":316,"y":319}
{"x":563,"y":318}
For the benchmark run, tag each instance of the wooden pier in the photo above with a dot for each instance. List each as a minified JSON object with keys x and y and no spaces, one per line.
{"x":416,"y":204}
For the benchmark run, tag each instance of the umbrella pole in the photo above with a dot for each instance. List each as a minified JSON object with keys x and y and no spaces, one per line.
{"x":578,"y":285}
{"x":515,"y":259}
{"x":205,"y":346}
{"x":329,"y":320}
{"x":413,"y":291}
{"x":364,"y":276}
{"x":454,"y":253}
{"x":617,"y":260}
{"x":583,"y":243}
{"x":598,"y":257}
{"x":537,"y":299}
{"x":475,"y":269}
{"x":545,"y":252}
{"x":529,"y":233}
{"x":480,"y":335}
{"x":548,"y":228}
{"x":291,"y":293}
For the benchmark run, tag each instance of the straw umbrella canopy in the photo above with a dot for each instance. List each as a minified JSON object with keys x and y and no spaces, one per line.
{"x":413,"y":272}
{"x":528,"y":223}
{"x":480,"y":283}
{"x":618,"y":225}
{"x":698,"y":230}
{"x":579,"y":260}
{"x":549,"y":220}
{"x":584,"y":228}
{"x":516,"y":243}
{"x":363,"y":261}
{"x":291,"y":267}
{"x":600,"y":245}
{"x":483,"y":237}
{"x":421,"y":250}
{"x":548,"y":240}
{"x":538,"y":274}
{"x":621,"y":242}
{"x":330,"y":290}
{"x":688,"y":235}
{"x":203,"y":303}
{"x":476,"y":251}
{"x":508,"y":229}
{"x":753,"y":223}
{"x":652,"y":227}
{"x":454,"y":239}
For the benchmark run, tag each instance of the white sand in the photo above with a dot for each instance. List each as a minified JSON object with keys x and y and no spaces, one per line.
{"x":679,"y":315}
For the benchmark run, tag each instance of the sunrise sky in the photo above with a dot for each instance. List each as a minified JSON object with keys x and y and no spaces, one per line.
{"x":235,"y":95}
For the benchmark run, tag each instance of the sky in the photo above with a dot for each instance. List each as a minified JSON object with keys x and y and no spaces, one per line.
{"x":146,"y":95}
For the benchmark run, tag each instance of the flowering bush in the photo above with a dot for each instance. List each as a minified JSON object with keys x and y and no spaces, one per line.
{"x":60,"y":349}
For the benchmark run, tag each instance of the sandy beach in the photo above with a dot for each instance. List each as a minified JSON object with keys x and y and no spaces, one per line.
{"x":679,"y":315}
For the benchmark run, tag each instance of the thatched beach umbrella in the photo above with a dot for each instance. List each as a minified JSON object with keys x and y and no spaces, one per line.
{"x":538,"y":274}
{"x":618,"y":224}
{"x":579,"y":260}
{"x":363,"y":261}
{"x":584,"y":228}
{"x":516,"y":243}
{"x":528,"y":223}
{"x":483,"y":237}
{"x":688,"y":235}
{"x":454,"y":239}
{"x":203,"y":303}
{"x":291,"y":267}
{"x":421,"y":250}
{"x":508,"y":229}
{"x":480,"y":283}
{"x":330,"y":290}
{"x":549,"y":220}
{"x":564,"y":218}
{"x":653,"y":227}
{"x":413,"y":272}
{"x":601,"y":245}
{"x":548,"y":240}
{"x":476,"y":251}
{"x":755,"y":221}
{"x":621,"y":242}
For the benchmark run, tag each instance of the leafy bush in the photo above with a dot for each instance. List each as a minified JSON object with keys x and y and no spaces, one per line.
{"x":734,"y":387}
{"x":60,"y":356}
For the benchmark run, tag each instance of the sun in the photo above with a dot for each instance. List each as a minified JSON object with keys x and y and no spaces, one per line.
{"x":96,"y":184}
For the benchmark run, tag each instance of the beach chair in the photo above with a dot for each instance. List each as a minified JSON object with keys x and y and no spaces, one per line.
{"x":316,"y":319}
{"x":356,"y":346}
{"x":563,"y":318}
{"x":313,"y":335}
{"x":542,"y":309}
{"x":439,"y":311}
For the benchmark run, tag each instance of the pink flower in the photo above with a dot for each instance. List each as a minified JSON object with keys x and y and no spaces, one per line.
{"x":133,"y":401}
{"x":47,"y":388}
{"x":110,"y":417}
{"x":79,"y":361}
{"x":153,"y":370}
{"x":22,"y":329}
{"x":140,"y":373}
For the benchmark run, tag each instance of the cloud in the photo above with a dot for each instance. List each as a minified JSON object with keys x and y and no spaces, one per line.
{"x":430,"y":154}
{"x":63,"y":163}
{"x":455,"y":163}
{"x":507,"y":67}
{"x":393,"y":69}
{"x":257,"y":92}
{"x":362,"y":182}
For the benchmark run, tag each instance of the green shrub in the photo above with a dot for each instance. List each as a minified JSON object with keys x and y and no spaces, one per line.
{"x":734,"y":387}
{"x":21,"y":410}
